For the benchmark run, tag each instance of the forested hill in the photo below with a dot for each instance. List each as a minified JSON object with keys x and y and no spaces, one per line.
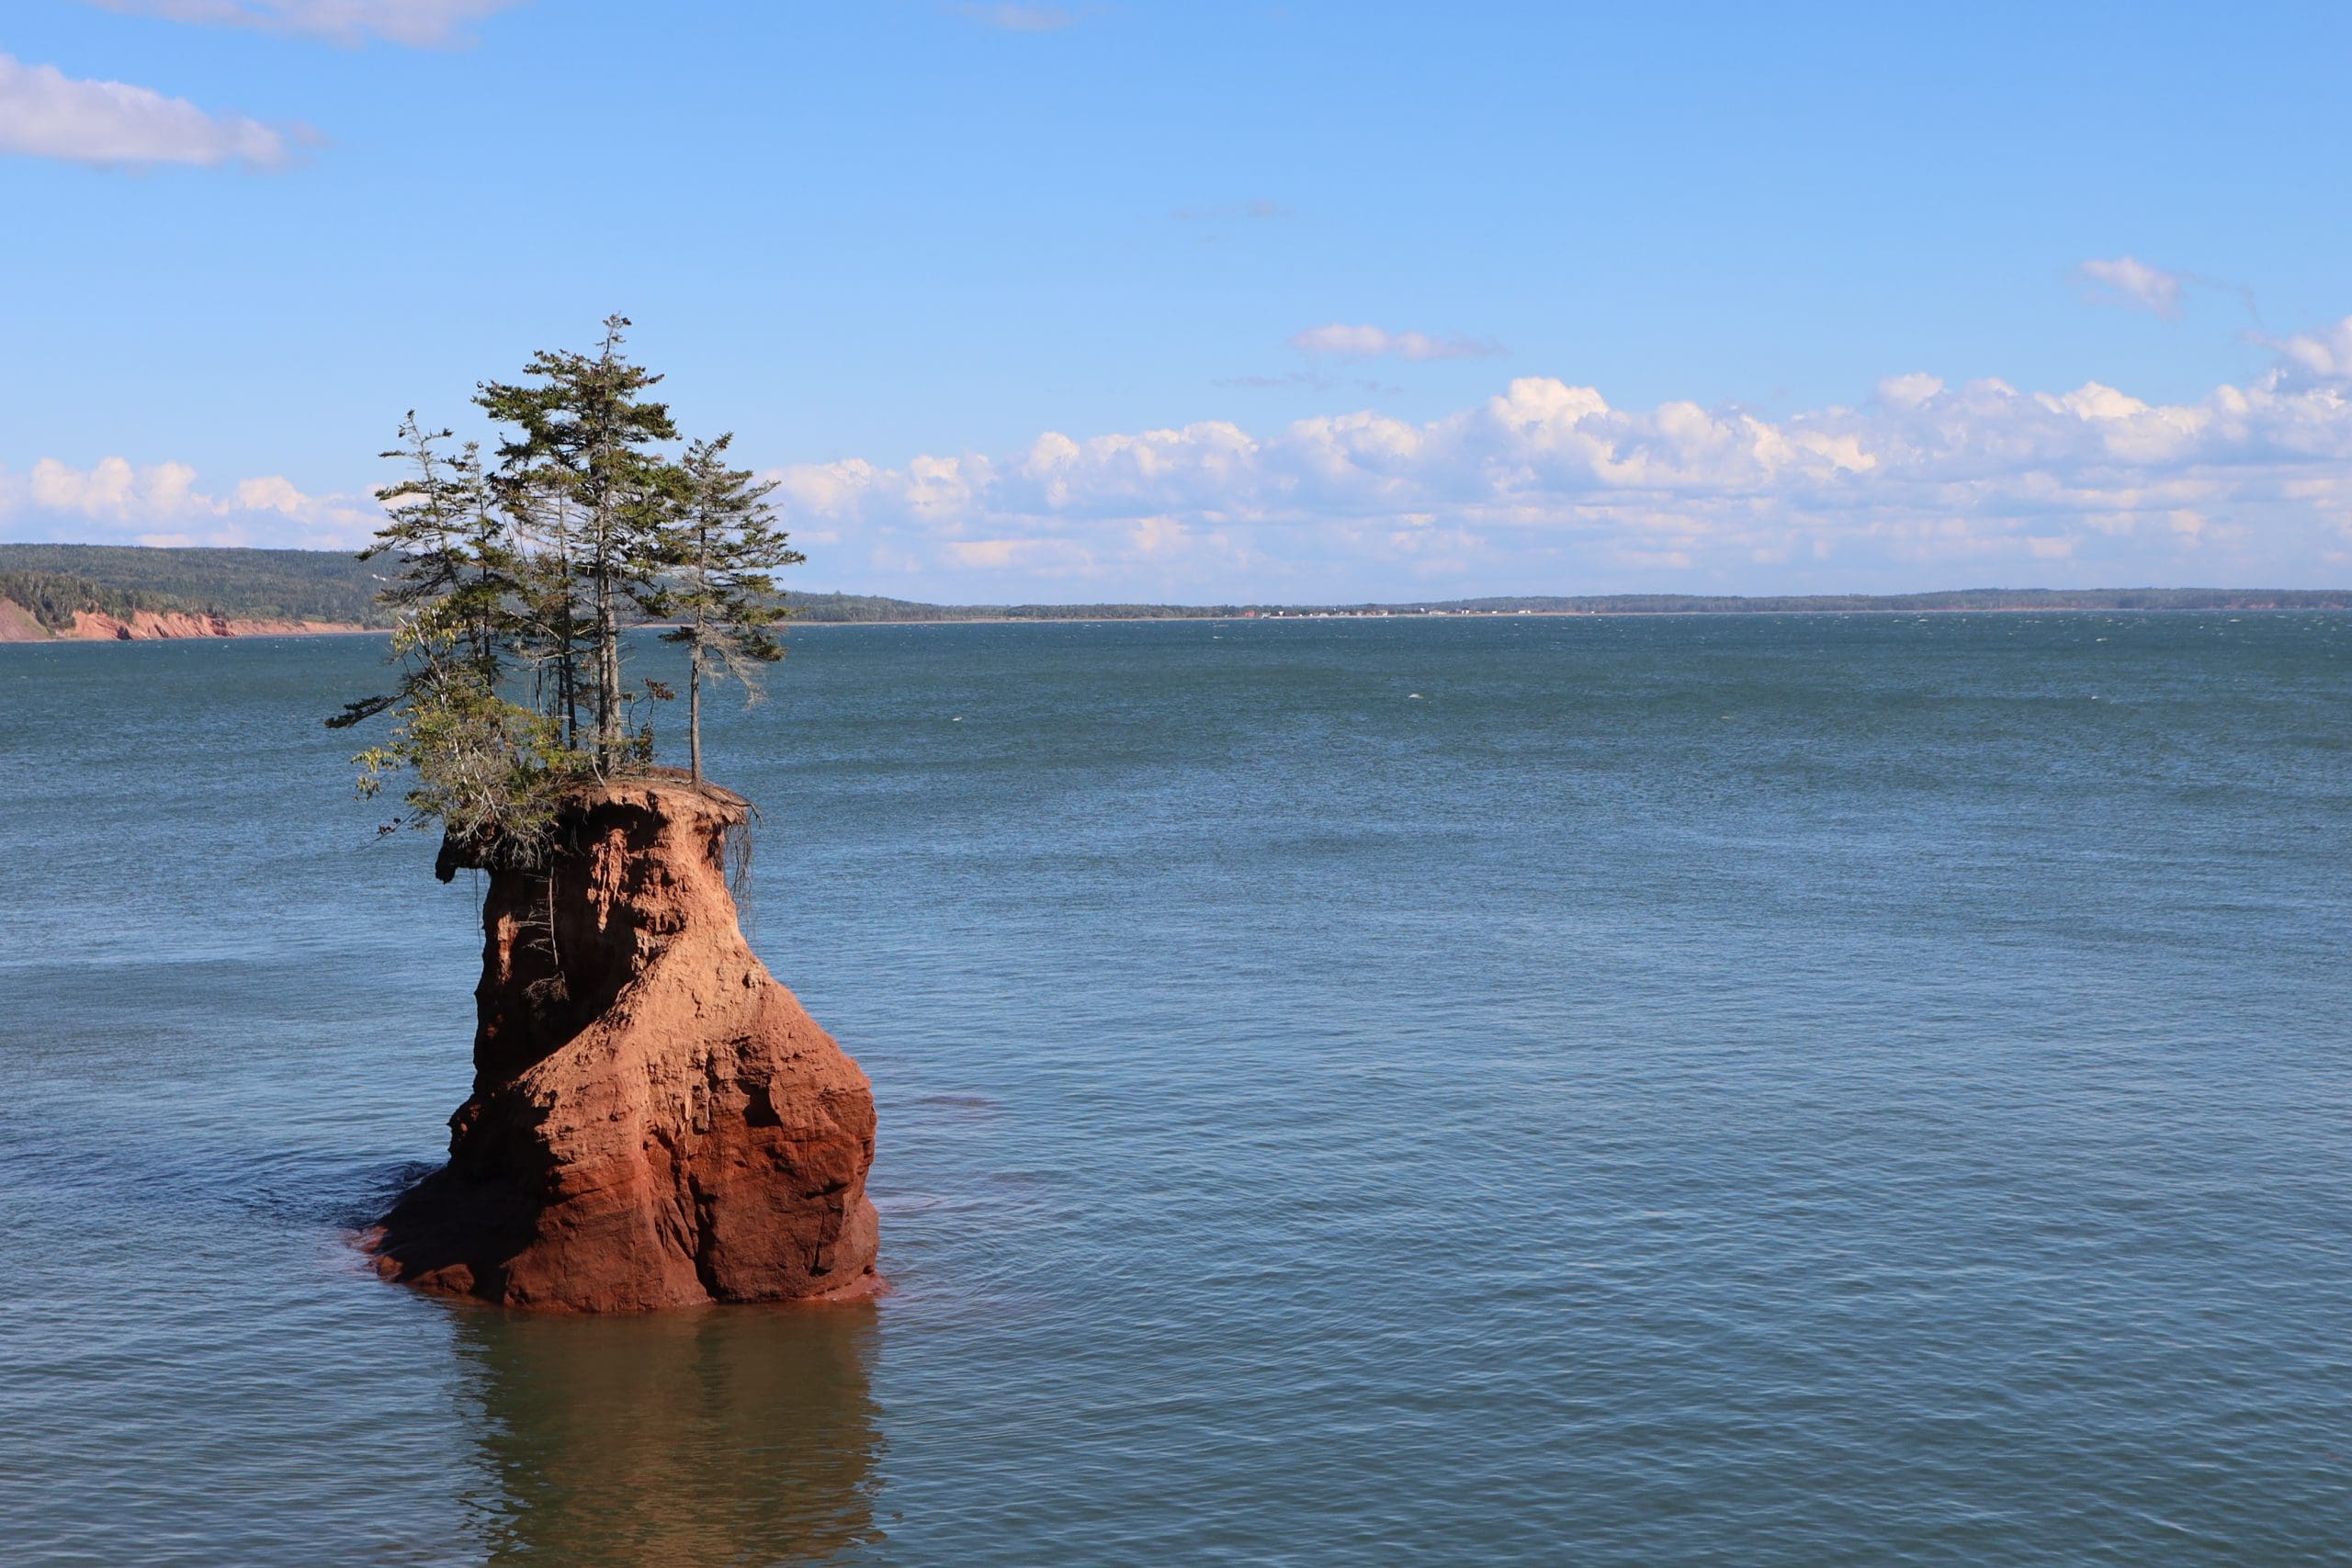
{"x":53,"y":582}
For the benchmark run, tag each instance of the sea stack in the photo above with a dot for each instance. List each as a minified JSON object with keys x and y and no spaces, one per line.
{"x":655,"y":1122}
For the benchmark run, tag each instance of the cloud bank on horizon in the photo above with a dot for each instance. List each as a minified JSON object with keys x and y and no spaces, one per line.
{"x":117,"y":502}
{"x":1410,"y":454}
{"x":1542,"y":486}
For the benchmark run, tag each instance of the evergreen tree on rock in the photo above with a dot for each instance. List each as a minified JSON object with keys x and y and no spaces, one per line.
{"x":723,"y":550}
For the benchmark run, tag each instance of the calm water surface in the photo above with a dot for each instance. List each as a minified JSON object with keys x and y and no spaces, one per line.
{"x":1781,"y":1090}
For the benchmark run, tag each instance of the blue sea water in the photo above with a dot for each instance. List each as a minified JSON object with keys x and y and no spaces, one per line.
{"x":1746,"y":1090}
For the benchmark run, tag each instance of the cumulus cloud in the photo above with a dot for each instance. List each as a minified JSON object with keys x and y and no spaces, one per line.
{"x":46,"y":114}
{"x":2129,"y":282}
{"x":1909,"y":391}
{"x":1339,"y":341}
{"x":423,"y":24}
{"x":1543,"y":486}
{"x":117,"y":501}
{"x":2321,"y":355}
{"x":1022,"y":18}
{"x":1547,"y":485}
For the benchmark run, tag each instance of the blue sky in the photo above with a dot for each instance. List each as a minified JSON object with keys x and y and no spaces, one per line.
{"x":1218,"y":300}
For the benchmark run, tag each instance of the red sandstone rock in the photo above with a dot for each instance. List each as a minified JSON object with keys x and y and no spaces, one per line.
{"x":655,"y":1122}
{"x":17,"y":624}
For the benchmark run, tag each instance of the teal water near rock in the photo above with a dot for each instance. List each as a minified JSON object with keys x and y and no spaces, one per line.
{"x":1771,"y":1089}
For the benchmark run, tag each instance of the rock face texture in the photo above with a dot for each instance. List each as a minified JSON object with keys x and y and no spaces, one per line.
{"x":17,"y":624}
{"x":655,"y":1122}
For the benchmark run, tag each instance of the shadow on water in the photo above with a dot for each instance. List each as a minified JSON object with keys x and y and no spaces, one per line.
{"x":736,"y":1435}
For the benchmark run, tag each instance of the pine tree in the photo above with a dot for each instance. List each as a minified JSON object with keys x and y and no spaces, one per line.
{"x":721,"y":551}
{"x":513,"y":585}
{"x":484,"y":769}
{"x":553,"y":628}
{"x":455,"y":567}
{"x":586,"y":436}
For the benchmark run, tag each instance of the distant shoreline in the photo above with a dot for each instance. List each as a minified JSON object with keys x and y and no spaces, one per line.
{"x":804,"y":624}
{"x":100,"y":592}
{"x":249,"y":631}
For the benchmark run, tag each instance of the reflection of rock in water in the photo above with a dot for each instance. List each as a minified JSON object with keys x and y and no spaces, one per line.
{"x":734,"y":1435}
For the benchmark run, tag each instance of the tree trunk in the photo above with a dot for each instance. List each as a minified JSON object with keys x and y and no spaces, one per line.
{"x":608,"y":673}
{"x":567,"y":634}
{"x":693,"y":714}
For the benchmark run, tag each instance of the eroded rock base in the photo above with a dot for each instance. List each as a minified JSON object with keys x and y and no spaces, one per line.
{"x":655,"y":1122}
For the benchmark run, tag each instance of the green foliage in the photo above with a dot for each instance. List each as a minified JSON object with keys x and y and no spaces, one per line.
{"x":54,"y":600}
{"x":456,"y":570}
{"x":489,"y":772}
{"x":720,"y":551}
{"x":586,"y":447}
{"x":511,"y":586}
{"x":53,"y":582}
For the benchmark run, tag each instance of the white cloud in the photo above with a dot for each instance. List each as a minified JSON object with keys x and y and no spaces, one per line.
{"x":1544,"y":486}
{"x":2125,"y":280}
{"x":1909,"y":391}
{"x":2323,"y":354}
{"x":422,"y":23}
{"x":1339,"y":341}
{"x":46,"y":114}
{"x":1547,"y":486}
{"x":1022,"y":18}
{"x":115,"y":499}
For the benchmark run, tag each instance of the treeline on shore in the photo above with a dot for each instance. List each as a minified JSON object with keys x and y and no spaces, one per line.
{"x":53,"y":581}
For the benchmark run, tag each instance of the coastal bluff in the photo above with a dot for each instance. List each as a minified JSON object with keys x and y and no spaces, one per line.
{"x":655,"y":1122}
{"x":20,"y":625}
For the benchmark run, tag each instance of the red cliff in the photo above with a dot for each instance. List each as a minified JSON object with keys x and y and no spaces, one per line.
{"x":19,"y":625}
{"x":655,"y":1122}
